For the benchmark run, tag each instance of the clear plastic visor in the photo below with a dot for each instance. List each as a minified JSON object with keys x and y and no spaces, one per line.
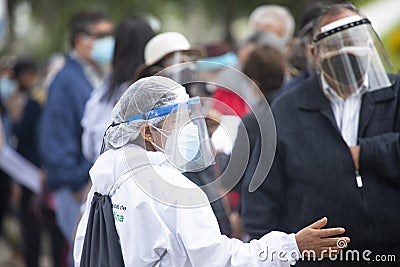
{"x":182,"y":135}
{"x":352,"y":59}
{"x":180,"y":66}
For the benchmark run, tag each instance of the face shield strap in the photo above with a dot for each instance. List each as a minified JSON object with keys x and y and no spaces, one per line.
{"x":323,"y":35}
{"x":103,"y":144}
{"x":163,"y":111}
{"x":155,"y":113}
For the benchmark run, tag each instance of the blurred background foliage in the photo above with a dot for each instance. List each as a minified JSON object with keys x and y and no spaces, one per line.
{"x":40,"y":27}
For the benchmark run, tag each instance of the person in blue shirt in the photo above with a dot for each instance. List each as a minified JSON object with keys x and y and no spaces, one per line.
{"x":60,"y":130}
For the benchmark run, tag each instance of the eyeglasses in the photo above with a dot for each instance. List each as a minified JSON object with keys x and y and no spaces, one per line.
{"x":98,"y":35}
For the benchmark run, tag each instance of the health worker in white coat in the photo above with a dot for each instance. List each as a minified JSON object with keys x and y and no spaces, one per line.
{"x":161,"y":217}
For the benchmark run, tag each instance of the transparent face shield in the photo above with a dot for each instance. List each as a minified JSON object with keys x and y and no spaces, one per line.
{"x":351,"y":57}
{"x":182,"y":135}
{"x":172,"y":67}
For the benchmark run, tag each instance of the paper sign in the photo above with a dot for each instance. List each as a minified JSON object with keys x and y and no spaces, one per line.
{"x":20,"y":169}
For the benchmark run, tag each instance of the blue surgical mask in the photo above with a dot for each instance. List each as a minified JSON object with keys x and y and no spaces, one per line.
{"x":103,"y":50}
{"x":188,"y":142}
{"x":182,"y":146}
{"x":7,"y":87}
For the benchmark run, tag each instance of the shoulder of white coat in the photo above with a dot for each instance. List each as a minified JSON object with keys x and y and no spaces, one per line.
{"x":170,"y":187}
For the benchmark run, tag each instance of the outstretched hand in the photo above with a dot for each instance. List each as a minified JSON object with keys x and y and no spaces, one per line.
{"x":318,"y":242}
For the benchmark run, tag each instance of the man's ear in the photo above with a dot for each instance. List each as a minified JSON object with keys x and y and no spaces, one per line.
{"x":146,"y":133}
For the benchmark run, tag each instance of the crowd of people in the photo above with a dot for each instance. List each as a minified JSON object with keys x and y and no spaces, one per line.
{"x":150,"y":151}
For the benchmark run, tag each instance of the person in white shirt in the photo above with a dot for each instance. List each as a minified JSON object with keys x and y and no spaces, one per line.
{"x":160,"y":216}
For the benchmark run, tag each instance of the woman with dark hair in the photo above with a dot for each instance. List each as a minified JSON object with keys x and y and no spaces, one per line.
{"x":266,"y":66}
{"x":131,"y":36}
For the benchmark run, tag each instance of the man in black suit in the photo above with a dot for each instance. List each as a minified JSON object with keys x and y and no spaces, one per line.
{"x":338,"y":145}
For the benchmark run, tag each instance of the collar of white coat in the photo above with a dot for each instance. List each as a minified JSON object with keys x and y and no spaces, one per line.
{"x":111,"y":166}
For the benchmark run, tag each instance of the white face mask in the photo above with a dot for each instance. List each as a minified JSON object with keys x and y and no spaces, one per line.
{"x":181,"y":146}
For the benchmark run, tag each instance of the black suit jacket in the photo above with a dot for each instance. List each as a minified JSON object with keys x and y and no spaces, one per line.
{"x":313,"y":173}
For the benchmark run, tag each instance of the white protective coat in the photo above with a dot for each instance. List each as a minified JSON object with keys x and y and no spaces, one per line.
{"x":147,"y":227}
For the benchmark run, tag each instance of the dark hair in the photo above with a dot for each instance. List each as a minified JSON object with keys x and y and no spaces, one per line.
{"x":310,"y":14}
{"x":333,"y":10}
{"x":81,"y":21}
{"x":131,"y":37}
{"x":24,"y":65}
{"x":266,"y":66}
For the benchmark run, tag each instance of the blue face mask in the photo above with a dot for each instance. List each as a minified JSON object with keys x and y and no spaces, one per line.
{"x":181,"y":146}
{"x":103,"y":50}
{"x":7,"y":87}
{"x":188,"y":142}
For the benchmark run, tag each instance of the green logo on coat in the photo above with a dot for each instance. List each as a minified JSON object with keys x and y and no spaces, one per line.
{"x":118,"y":217}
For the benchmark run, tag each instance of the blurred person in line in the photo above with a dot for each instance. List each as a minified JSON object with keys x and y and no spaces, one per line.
{"x":219,"y":56}
{"x":234,"y":98}
{"x":276,"y":20}
{"x":8,"y":85}
{"x":36,"y":214}
{"x":236,"y":91}
{"x":266,"y":67}
{"x":162,"y":53}
{"x":7,"y":88}
{"x":273,"y":19}
{"x":168,"y":49}
{"x":299,"y":55}
{"x":220,"y":59}
{"x":131,"y":36}
{"x":67,"y":169}
{"x":144,"y":212}
{"x":338,"y":140}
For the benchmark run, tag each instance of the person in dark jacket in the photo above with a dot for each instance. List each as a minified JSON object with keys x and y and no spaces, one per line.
{"x":35,"y":214}
{"x":338,"y":145}
{"x":60,"y":132}
{"x":309,"y":16}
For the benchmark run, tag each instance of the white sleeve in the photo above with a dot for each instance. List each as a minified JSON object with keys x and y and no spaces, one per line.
{"x":95,"y":120}
{"x":199,"y":232}
{"x":81,"y":230}
{"x":86,"y":131}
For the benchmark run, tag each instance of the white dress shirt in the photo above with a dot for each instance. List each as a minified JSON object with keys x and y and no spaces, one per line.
{"x":346,"y":111}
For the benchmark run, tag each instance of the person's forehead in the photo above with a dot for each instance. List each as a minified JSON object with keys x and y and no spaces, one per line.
{"x":101,"y":26}
{"x":331,"y":18}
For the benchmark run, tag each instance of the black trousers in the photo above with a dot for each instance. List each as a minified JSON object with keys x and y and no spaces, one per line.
{"x":35,"y":217}
{"x":5,"y":187}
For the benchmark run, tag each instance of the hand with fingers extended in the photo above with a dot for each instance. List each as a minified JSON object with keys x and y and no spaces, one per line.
{"x":317,"y":242}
